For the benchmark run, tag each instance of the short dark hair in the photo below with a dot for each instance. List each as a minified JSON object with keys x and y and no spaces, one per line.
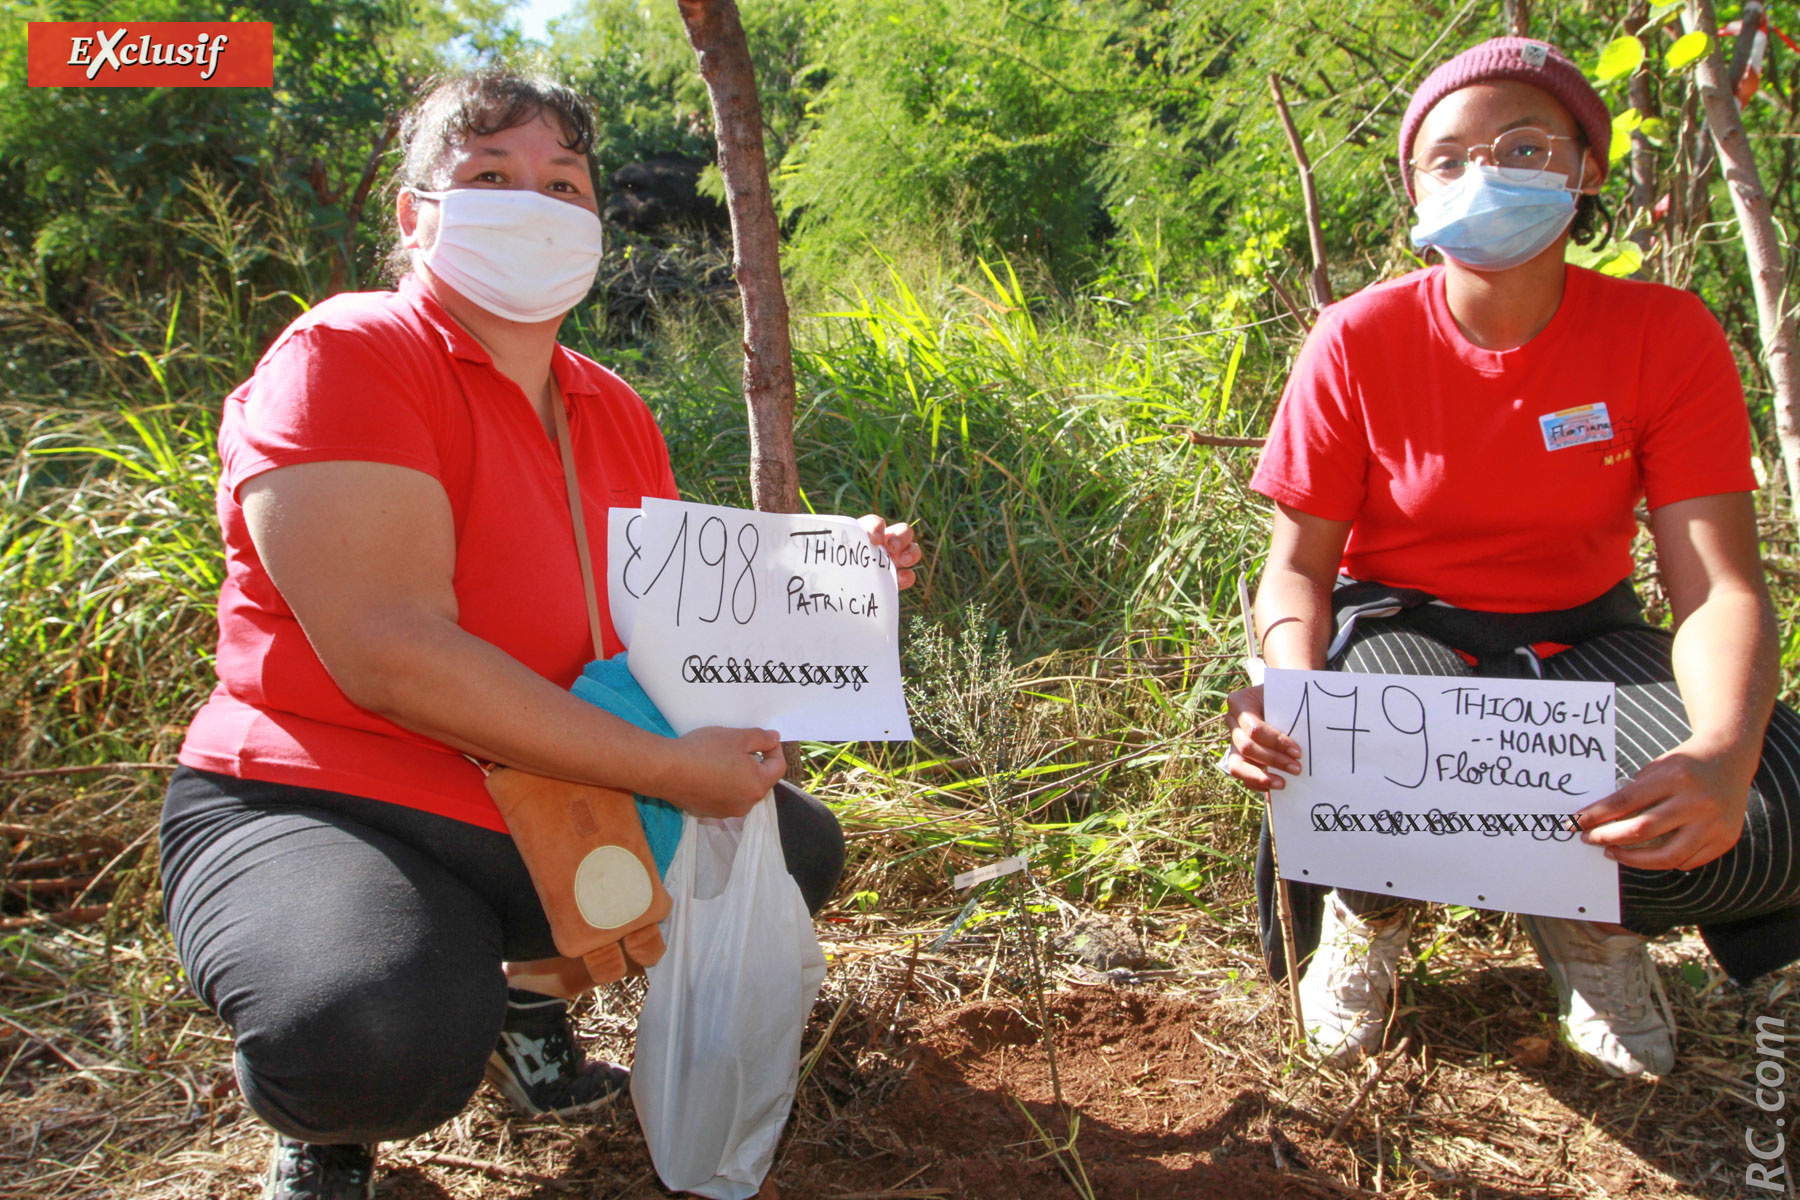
{"x":458,"y":107}
{"x":1593,"y":223}
{"x":477,"y":103}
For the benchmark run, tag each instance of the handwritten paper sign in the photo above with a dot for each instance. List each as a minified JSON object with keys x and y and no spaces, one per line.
{"x":624,"y":526}
{"x":741,"y":618}
{"x":1446,"y":789}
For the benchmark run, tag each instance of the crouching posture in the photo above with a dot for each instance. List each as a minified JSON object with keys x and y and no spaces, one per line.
{"x":403,"y":594}
{"x":1455,"y":467}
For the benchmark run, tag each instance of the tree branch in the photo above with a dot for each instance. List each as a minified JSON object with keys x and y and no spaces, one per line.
{"x":1320,"y":283}
{"x":1762,"y":243}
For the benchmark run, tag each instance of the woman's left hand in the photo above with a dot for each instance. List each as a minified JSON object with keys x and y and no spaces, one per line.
{"x":1681,"y":811}
{"x":897,"y":540}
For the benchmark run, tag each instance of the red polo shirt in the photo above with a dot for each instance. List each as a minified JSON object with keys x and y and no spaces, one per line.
{"x":389,"y":377}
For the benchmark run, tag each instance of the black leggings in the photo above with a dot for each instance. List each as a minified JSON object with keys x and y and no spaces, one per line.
{"x":1758,"y":875}
{"x":354,"y":946}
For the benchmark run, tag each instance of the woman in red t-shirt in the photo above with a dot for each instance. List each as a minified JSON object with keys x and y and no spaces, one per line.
{"x":1455,"y":467}
{"x":402,"y":590}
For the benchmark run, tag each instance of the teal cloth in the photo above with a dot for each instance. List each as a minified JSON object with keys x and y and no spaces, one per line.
{"x":608,"y":683}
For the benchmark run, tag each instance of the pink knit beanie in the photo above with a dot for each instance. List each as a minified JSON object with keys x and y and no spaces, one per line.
{"x":1526,"y":60}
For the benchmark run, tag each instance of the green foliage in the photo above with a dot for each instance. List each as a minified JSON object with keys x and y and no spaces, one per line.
{"x":110,"y":563}
{"x":1046,"y":457}
{"x":1619,"y":58}
{"x":1686,"y":51}
{"x":340,"y":71}
{"x":632,"y":57}
{"x":1617,"y":258}
{"x":986,"y":115}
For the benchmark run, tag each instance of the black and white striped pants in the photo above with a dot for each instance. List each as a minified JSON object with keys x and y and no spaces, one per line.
{"x":1758,"y":876}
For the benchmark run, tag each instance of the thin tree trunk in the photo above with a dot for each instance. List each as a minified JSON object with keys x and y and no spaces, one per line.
{"x":1320,"y":281}
{"x":1762,"y":246}
{"x":717,"y":36}
{"x":1643,"y":154}
{"x":1518,"y":18}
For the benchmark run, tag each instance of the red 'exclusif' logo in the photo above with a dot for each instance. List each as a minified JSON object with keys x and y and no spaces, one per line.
{"x":150,"y":54}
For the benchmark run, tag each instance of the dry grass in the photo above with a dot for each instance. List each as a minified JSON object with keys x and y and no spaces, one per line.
{"x":114,"y":1082}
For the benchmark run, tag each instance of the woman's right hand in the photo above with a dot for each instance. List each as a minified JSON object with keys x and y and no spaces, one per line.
{"x":1258,"y":749}
{"x":721,"y":772}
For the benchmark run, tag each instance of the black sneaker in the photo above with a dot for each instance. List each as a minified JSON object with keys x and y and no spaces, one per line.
{"x":301,"y":1171}
{"x":538,"y":1066}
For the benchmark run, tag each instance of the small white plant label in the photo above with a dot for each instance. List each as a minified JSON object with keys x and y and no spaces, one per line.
{"x":993,"y":870}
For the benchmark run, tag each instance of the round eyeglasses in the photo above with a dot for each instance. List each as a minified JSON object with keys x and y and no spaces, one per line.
{"x":1519,"y":154}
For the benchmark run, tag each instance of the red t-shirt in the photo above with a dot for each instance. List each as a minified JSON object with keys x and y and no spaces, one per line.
{"x":389,"y":377}
{"x":1505,"y":480}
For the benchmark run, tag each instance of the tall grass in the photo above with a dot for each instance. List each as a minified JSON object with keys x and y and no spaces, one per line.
{"x":1041,"y":447}
{"x":1042,"y":450}
{"x":110,"y":561}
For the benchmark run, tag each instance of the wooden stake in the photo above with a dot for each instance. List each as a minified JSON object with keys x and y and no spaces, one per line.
{"x":1284,"y":912}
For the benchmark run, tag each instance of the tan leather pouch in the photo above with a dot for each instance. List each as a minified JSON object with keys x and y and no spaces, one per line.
{"x":591,"y":866}
{"x":584,"y":845}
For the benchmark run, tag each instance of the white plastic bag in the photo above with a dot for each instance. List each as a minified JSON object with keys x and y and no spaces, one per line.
{"x":718,"y":1040}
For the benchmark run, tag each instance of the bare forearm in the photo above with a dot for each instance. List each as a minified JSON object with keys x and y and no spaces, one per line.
{"x":1293,"y":619}
{"x":428,"y":675}
{"x":365,"y":555}
{"x":1726,"y":669}
{"x":1293,"y":622}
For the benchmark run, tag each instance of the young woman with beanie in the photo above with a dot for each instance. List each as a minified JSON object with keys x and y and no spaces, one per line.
{"x":1428,"y":476}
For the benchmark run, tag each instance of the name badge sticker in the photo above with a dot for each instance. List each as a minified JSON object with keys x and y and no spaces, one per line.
{"x":1576,"y":427}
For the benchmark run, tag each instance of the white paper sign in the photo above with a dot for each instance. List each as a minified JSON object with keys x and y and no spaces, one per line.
{"x":623,"y":527}
{"x":1446,"y":789}
{"x":784,"y":622}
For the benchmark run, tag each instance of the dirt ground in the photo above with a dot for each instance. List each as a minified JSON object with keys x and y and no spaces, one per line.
{"x":1160,"y":1115}
{"x":927,"y":1076}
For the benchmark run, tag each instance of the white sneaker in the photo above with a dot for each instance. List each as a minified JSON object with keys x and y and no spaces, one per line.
{"x":1611,"y":1003}
{"x":1349,"y":984}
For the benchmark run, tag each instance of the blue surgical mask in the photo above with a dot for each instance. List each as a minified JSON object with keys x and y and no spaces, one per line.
{"x":1489,"y":222}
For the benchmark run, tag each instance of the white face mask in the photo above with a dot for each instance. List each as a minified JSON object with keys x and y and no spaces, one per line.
{"x":519,"y":255}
